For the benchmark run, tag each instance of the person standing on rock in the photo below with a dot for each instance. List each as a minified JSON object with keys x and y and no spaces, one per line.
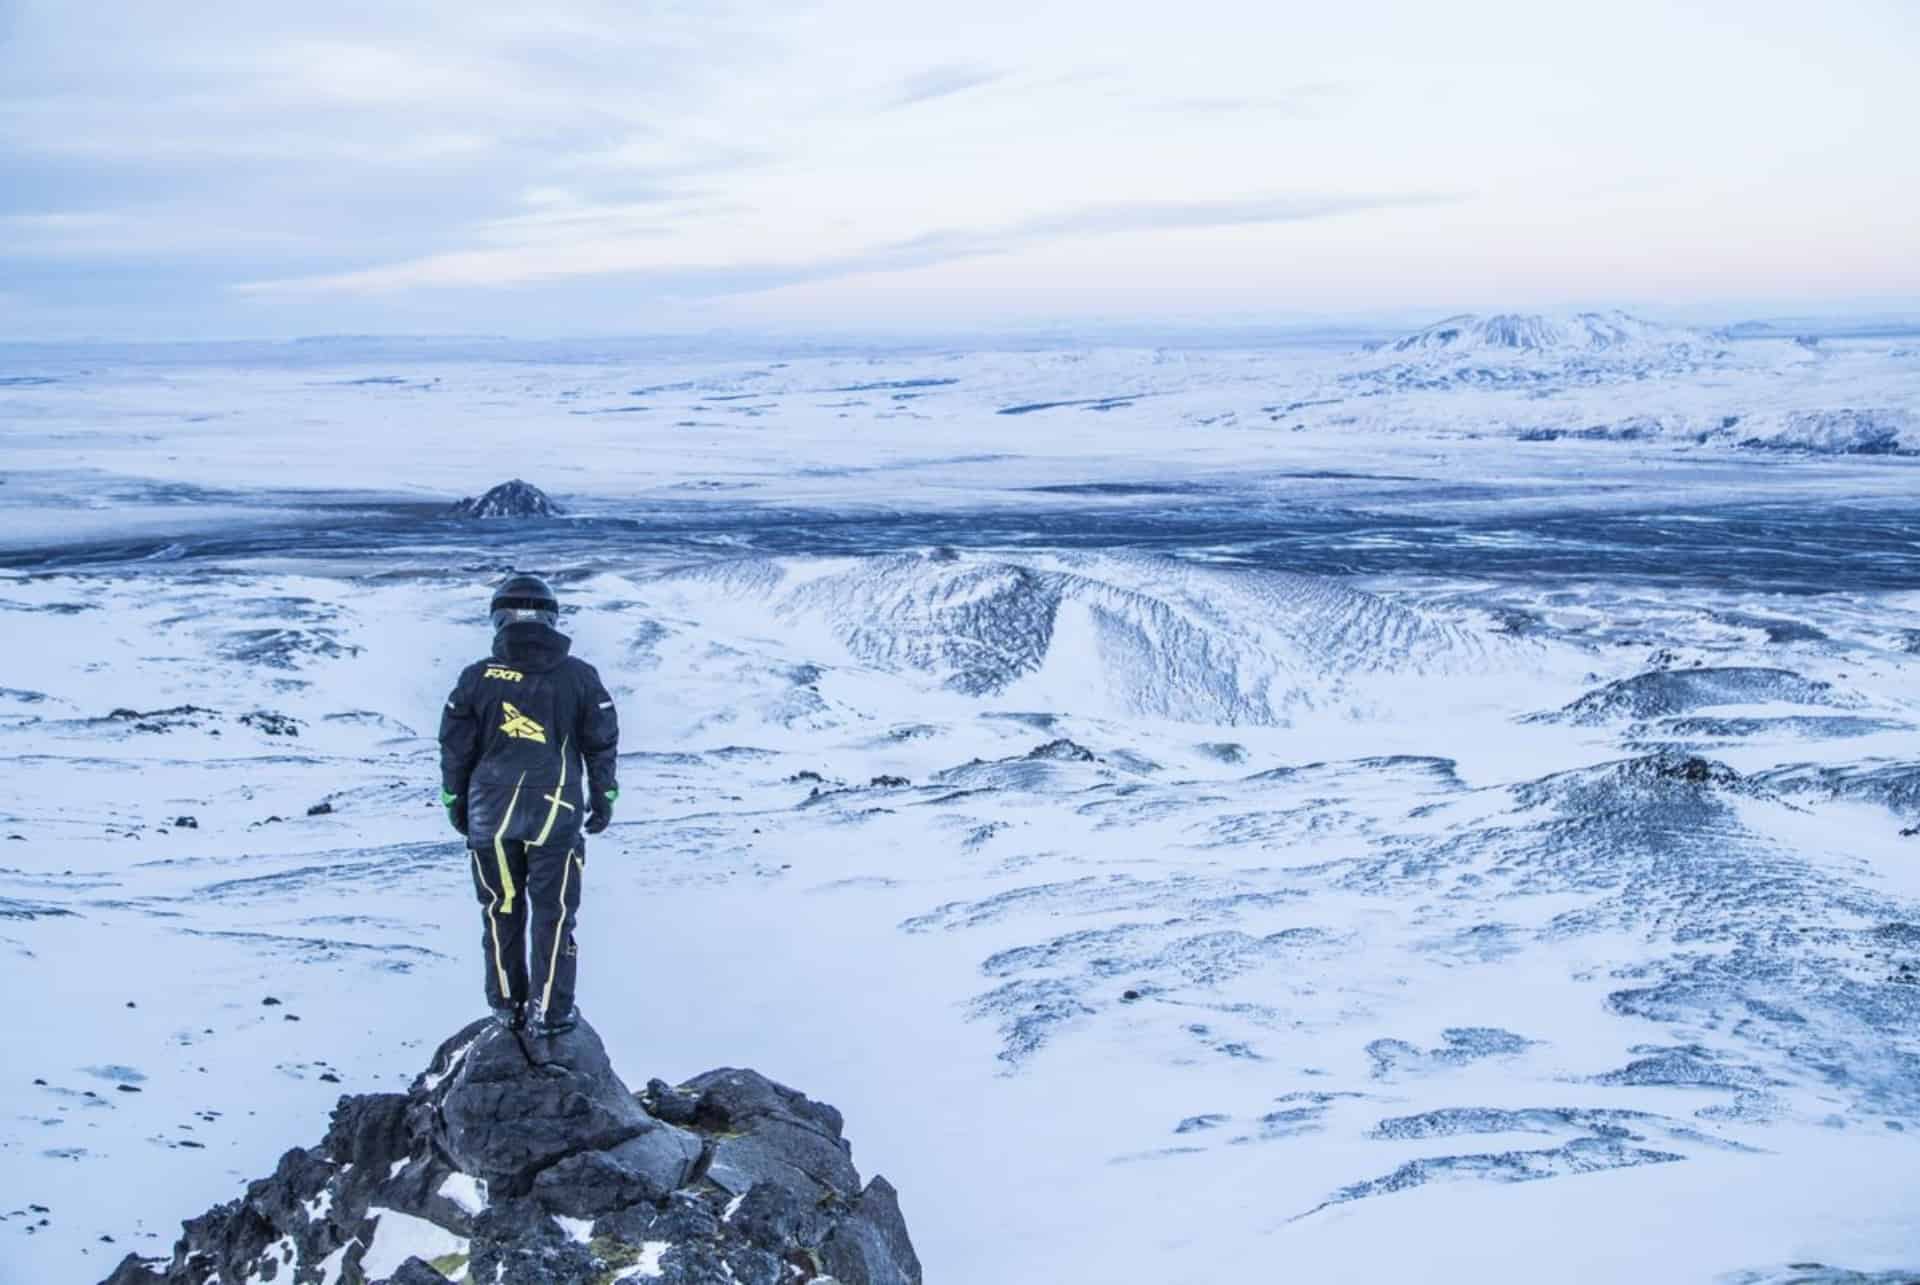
{"x":521,"y":731}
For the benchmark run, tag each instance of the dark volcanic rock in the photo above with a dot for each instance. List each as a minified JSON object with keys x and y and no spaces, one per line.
{"x":1666,"y":692}
{"x":1064,"y":751}
{"x":268,"y":723}
{"x":770,"y":1133}
{"x":515,"y":499}
{"x":503,"y":1119}
{"x":163,"y":720}
{"x":523,"y":1161}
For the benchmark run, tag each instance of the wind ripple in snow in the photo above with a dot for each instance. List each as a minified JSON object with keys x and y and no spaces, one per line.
{"x":1156,"y":636}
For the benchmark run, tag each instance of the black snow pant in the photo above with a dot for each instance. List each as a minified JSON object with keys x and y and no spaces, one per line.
{"x":516,"y":881}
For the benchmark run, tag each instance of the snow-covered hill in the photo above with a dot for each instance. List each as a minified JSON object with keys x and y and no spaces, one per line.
{"x":1476,"y":336}
{"x":1529,"y":350}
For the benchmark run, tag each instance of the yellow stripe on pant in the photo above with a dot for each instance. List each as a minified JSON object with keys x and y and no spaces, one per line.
{"x":559,"y":933}
{"x":493,"y":927}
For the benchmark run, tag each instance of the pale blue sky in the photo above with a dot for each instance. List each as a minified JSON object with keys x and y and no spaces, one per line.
{"x":234,"y":167}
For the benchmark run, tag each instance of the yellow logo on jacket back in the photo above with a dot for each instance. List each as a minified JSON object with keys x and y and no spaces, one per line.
{"x":501,"y":671}
{"x":519,"y":725}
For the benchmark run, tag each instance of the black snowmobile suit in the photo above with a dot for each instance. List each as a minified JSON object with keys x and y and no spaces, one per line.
{"x":516,"y":733}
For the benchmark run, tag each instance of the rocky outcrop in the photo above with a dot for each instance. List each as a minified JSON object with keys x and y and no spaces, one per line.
{"x":1666,"y":692}
{"x":527,"y":1161}
{"x":515,"y":499}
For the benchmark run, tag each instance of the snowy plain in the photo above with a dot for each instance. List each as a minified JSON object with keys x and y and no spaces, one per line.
{"x":1426,"y":813}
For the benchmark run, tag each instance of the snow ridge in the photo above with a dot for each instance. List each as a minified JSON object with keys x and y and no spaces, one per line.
{"x":1148,"y":636}
{"x":1502,"y":333}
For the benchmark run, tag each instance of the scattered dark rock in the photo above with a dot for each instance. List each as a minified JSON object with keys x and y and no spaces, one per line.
{"x":1129,"y":996}
{"x":163,"y":720}
{"x":804,"y":776}
{"x":1062,"y":750}
{"x":729,"y":1177}
{"x":1777,"y":629}
{"x":514,"y":499}
{"x":1459,"y":1046}
{"x":886,"y":782}
{"x":186,"y":823}
{"x":1667,"y":692}
{"x":1697,"y":770}
{"x":270,"y":1002}
{"x":1910,"y":832}
{"x":127,"y":1088}
{"x":284,"y":648}
{"x":320,"y":809}
{"x":269,"y":723}
{"x":1683,"y":1066}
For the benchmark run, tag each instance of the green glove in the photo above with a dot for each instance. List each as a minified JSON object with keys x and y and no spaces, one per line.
{"x":456,"y":807}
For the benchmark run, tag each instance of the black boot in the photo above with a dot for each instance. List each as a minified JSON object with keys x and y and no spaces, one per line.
{"x":510,"y":1017}
{"x":546,"y":1025}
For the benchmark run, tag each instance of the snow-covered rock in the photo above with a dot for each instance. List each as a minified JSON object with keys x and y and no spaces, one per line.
{"x":517,"y":1160}
{"x":1845,"y":431}
{"x":514,"y":499}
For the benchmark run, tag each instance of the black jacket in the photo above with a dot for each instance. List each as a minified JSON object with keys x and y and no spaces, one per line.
{"x":516,"y":732}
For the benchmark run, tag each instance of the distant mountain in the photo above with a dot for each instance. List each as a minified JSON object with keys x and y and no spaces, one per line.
{"x":1528,"y":350}
{"x":1509,"y":334}
{"x":1748,"y":330}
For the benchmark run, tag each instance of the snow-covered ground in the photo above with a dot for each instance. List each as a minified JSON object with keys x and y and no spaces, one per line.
{"x":1429,"y":813}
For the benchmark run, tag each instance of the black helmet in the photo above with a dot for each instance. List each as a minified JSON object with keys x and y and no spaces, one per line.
{"x":521,"y":597}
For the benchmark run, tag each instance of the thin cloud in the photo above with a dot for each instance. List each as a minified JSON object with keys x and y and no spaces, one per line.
{"x":942,"y":82}
{"x":1296,"y":102}
{"x":643,"y":257}
{"x":354,"y":163}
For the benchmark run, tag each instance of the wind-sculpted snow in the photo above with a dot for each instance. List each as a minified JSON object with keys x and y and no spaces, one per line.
{"x":1894,"y":786}
{"x":1580,"y":1155}
{"x":1846,"y":430}
{"x":1734,"y":935}
{"x":1387,"y":849}
{"x":1594,"y":1139}
{"x":1157,"y":637}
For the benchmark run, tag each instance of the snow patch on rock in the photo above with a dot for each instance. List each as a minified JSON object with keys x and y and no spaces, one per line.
{"x":398,"y":1237}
